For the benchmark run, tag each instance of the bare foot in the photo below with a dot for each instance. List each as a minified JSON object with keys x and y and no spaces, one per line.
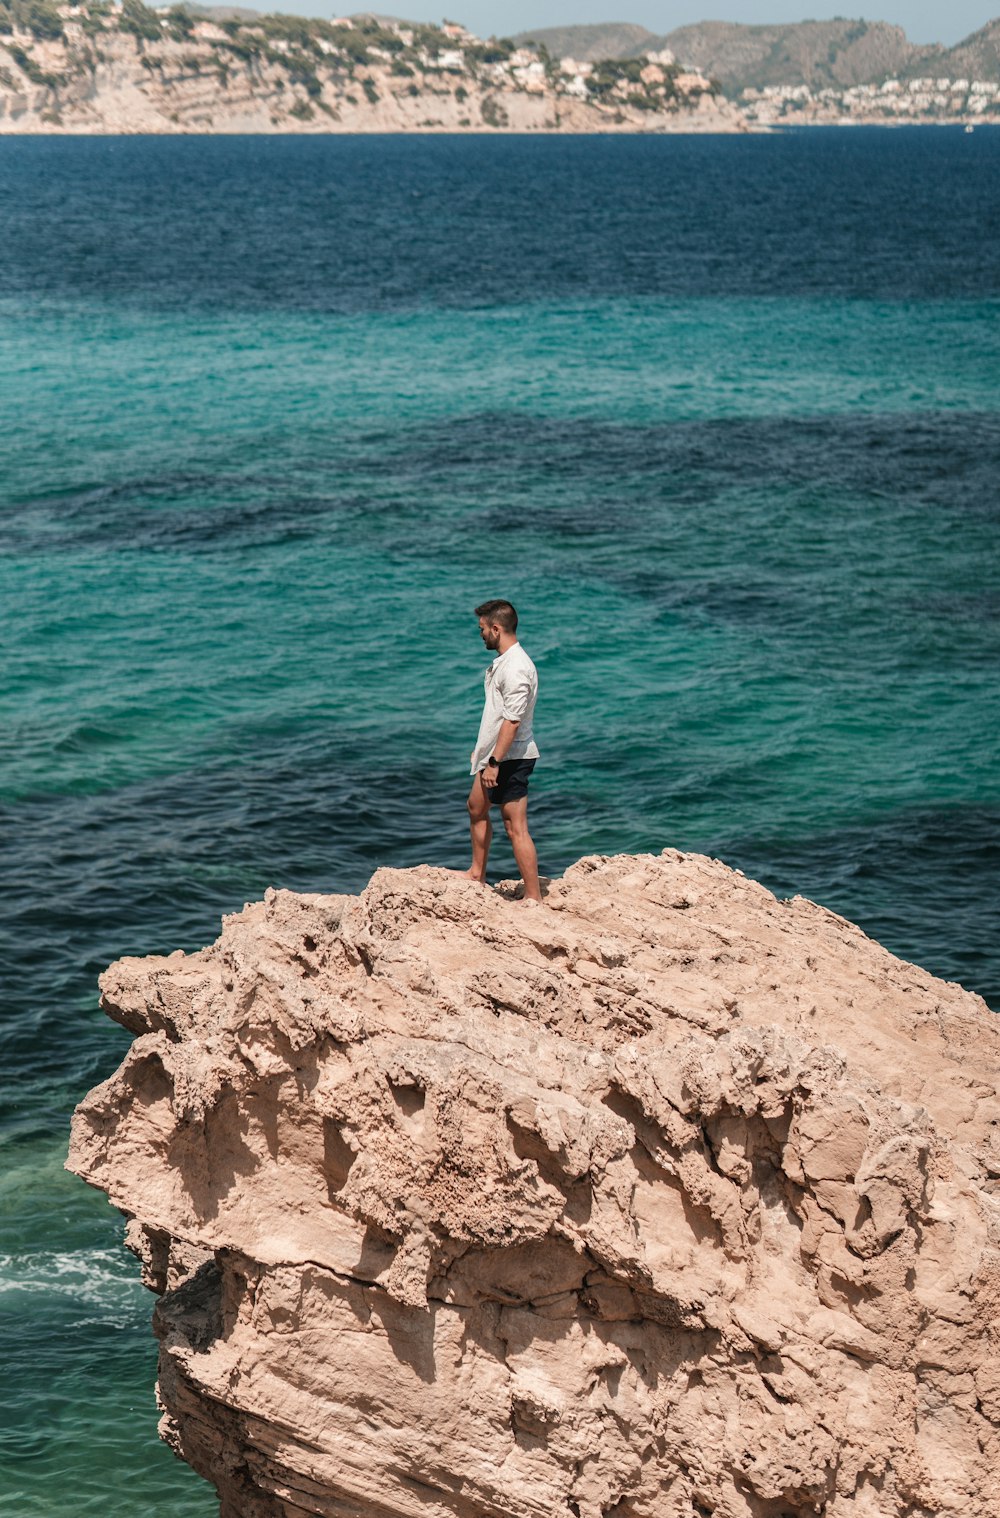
{"x":469,"y":874}
{"x":529,"y":901}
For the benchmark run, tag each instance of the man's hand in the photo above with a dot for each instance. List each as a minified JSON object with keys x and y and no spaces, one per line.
{"x":490,"y":775}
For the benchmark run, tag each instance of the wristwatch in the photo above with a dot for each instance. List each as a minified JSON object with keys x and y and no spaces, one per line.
{"x":493,"y":760}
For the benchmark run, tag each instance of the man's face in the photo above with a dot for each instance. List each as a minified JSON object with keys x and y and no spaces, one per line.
{"x":489,"y":634}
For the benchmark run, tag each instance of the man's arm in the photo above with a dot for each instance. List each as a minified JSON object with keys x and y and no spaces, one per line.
{"x":505,"y":737}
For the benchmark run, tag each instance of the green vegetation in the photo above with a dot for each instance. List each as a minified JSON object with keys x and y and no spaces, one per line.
{"x":493,"y":112}
{"x":497,"y":50}
{"x":247,"y":52}
{"x":301,"y":71}
{"x":377,"y":35}
{"x":180,"y":24}
{"x":30,"y":68}
{"x":611,"y":73}
{"x":301,"y":53}
{"x":92,"y":19}
{"x":428,"y":39}
{"x":296,"y":30}
{"x":39,"y":17}
{"x":354,"y":45}
{"x":545,"y":57}
{"x":140,"y":21}
{"x":620,"y":79}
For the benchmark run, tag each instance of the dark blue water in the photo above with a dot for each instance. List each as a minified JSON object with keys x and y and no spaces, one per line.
{"x":720,"y":415}
{"x":370,"y":223}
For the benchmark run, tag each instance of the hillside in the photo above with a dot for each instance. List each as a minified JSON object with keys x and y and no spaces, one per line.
{"x":588,"y":44}
{"x":118,"y":66}
{"x":814,"y":53}
{"x":101,"y":66}
{"x":977,"y":57}
{"x":840,"y":54}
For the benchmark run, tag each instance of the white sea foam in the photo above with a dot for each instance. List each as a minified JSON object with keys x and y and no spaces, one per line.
{"x":96,"y":1278}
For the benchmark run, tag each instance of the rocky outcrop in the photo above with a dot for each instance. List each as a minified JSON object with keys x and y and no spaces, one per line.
{"x":663,"y":1200}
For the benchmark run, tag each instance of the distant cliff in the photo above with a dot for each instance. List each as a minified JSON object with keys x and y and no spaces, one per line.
{"x":665,"y":1198}
{"x":123,"y":67}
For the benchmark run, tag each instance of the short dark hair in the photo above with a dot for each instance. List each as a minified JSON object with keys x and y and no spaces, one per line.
{"x":501,"y":612}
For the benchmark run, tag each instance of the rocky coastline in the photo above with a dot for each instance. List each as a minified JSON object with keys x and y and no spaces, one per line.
{"x":99,"y":68}
{"x":666,"y":1199}
{"x":103,"y":67}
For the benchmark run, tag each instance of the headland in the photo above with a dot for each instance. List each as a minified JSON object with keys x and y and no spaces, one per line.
{"x":666,"y":1198}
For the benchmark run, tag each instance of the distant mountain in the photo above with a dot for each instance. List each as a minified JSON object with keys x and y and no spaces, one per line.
{"x":215,"y":12}
{"x":815,"y":53}
{"x":588,"y":44}
{"x":978,"y":57}
{"x":819,"y":54}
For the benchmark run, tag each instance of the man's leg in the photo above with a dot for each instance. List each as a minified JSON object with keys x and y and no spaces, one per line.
{"x":515,"y":820}
{"x":480,"y":829}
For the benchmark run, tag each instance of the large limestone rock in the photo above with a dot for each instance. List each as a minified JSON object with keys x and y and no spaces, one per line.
{"x":665,"y":1200}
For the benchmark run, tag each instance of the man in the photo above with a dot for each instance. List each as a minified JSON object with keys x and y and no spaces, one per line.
{"x":505,"y":751}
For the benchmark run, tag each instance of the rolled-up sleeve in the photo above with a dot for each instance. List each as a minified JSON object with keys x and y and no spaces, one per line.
{"x":515,"y":697}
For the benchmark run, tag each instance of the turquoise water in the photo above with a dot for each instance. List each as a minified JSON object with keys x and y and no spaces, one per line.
{"x":720,"y":417}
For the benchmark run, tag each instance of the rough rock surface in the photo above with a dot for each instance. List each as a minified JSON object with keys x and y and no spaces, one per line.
{"x":665,"y":1200}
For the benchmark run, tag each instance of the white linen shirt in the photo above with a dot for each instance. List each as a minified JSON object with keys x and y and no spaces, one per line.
{"x":511,"y":685}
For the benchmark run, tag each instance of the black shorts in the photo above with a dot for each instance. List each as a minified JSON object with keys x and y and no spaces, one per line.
{"x":512,"y":781}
